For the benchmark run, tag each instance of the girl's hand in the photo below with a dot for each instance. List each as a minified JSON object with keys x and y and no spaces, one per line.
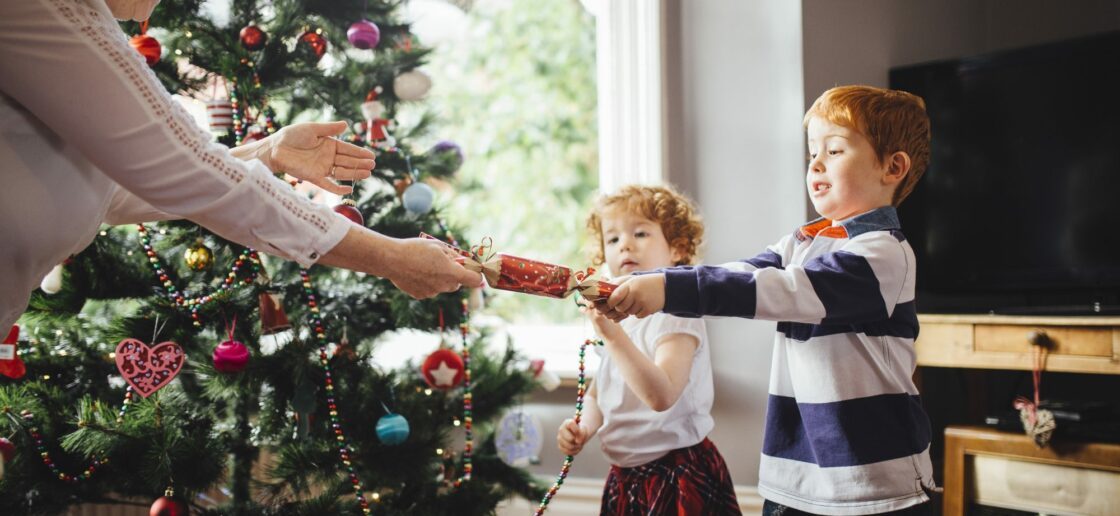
{"x":604,"y":327}
{"x":571,"y":437}
{"x":310,"y":151}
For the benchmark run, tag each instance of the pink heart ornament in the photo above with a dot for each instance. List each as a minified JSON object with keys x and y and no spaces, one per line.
{"x":147,"y":369}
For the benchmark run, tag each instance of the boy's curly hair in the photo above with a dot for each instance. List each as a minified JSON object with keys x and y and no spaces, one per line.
{"x":891,"y":120}
{"x":681,"y":224}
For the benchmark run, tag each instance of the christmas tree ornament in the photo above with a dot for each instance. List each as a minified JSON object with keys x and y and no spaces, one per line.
{"x":344,"y":451}
{"x":363,"y":34}
{"x":519,"y":439}
{"x":198,"y":256}
{"x":418,"y":198}
{"x":273,"y":318}
{"x":377,"y":127}
{"x":253,"y":133}
{"x":52,"y":282}
{"x":448,"y":152}
{"x":548,"y":380}
{"x":7,"y":450}
{"x":147,"y":369}
{"x":10,"y":363}
{"x":401,"y":184}
{"x":315,"y":42}
{"x":231,"y":356}
{"x":345,"y":350}
{"x":167,"y":505}
{"x":392,"y":429}
{"x":443,"y":369}
{"x":412,"y":85}
{"x":580,"y":391}
{"x":219,"y":114}
{"x":148,"y":47}
{"x":253,"y":38}
{"x":349,"y":210}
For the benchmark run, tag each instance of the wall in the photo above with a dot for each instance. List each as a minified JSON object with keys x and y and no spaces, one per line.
{"x":739,"y":75}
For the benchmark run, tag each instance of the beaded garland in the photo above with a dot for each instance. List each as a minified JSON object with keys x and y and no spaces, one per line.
{"x":45,"y":455}
{"x":324,"y":361}
{"x":468,"y":445}
{"x":195,"y":303}
{"x":579,"y":415}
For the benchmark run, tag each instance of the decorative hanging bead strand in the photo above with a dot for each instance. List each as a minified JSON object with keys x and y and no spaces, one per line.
{"x":40,"y":445}
{"x":194,"y":304}
{"x":468,"y":417}
{"x":344,"y":451}
{"x":579,"y":415}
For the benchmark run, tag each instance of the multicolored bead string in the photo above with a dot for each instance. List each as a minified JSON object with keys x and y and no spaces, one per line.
{"x":468,"y":446}
{"x":336,"y":422}
{"x":579,"y":415}
{"x":45,"y":455}
{"x":196,"y":303}
{"x":468,"y":397}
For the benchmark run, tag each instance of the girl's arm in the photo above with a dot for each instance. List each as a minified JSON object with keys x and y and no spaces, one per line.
{"x":657,"y":382}
{"x":571,"y":438}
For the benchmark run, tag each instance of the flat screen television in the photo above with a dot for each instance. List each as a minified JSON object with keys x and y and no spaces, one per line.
{"x":1019,"y":211}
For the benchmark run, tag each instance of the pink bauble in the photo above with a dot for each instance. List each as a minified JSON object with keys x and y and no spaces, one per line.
{"x":7,"y":449}
{"x":363,"y":34}
{"x":230,"y":356}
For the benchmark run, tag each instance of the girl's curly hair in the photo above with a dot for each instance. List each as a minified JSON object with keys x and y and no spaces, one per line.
{"x":676,"y":214}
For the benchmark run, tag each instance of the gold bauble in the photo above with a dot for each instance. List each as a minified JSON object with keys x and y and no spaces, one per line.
{"x":199,"y":257}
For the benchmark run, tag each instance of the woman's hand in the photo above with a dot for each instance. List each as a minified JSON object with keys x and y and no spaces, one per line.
{"x":310,"y":152}
{"x":425,"y":268}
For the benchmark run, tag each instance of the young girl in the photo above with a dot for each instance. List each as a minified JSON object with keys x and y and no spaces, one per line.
{"x":650,"y":401}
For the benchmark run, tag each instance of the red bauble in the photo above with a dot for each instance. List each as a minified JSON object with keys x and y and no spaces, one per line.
{"x":168,"y":506}
{"x":231,"y":356}
{"x":148,"y":47}
{"x":253,"y":38}
{"x":347,"y":209}
{"x":315,"y":41}
{"x":7,"y":449}
{"x":443,"y":369}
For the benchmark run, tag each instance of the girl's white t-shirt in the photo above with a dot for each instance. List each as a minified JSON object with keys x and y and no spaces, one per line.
{"x":634,"y":434}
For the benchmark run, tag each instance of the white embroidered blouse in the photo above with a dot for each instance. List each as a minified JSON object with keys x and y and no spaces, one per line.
{"x":88,"y":136}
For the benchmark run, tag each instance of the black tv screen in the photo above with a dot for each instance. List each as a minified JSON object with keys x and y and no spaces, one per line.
{"x":1018,"y":211}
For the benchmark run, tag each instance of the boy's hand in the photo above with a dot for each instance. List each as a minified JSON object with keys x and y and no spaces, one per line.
{"x":641,"y":296}
{"x":571,"y":437}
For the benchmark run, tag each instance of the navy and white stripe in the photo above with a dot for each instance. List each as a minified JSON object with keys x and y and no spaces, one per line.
{"x":845,"y":429}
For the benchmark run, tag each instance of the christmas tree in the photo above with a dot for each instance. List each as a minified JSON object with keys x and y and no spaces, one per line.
{"x":264,"y":399}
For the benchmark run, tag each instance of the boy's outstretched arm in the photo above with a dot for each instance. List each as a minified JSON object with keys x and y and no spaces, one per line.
{"x":861,"y":282}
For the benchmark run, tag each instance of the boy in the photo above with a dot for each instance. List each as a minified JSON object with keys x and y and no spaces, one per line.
{"x":845,"y":430}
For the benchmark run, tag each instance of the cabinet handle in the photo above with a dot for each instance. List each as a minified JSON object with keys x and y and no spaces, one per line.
{"x":1041,"y":339}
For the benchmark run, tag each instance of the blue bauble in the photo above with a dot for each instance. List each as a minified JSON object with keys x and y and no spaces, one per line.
{"x":418,"y":198}
{"x":392,"y":429}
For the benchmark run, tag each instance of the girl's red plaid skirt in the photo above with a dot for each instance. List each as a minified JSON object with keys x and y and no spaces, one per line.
{"x":688,"y":481}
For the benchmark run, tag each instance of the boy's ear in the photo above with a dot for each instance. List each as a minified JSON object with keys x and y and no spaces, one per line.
{"x":898,"y":165}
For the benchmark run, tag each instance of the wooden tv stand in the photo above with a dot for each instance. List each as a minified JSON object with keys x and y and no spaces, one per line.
{"x":1088,"y":345}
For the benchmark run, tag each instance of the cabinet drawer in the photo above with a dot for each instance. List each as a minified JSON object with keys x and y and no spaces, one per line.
{"x":1067,"y":340}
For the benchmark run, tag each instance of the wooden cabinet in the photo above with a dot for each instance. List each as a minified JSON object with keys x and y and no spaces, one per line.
{"x":978,"y":460}
{"x":1080,"y":344}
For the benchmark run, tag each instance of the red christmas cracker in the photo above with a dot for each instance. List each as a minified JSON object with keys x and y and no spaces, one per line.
{"x":516,"y":274}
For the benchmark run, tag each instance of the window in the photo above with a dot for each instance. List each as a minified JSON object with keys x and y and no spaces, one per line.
{"x":515,"y":85}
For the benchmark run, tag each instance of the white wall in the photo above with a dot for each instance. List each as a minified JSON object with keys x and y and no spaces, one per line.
{"x":740,"y":75}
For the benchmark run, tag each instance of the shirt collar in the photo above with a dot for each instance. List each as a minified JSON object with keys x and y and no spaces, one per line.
{"x":879,"y":219}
